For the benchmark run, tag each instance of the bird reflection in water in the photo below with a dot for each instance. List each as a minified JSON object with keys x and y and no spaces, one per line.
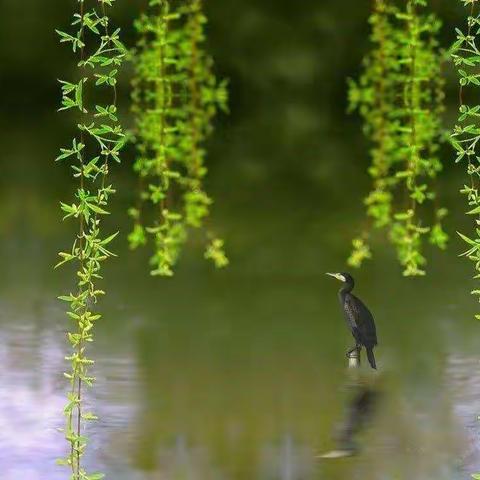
{"x":364,"y":396}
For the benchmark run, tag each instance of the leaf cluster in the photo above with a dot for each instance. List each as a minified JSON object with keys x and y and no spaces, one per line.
{"x":176,"y":97}
{"x":400,"y":98}
{"x":97,"y":142}
{"x":466,"y":134}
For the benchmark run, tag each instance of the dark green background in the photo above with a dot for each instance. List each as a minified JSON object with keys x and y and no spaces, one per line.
{"x":288,"y":141}
{"x":287,"y":63}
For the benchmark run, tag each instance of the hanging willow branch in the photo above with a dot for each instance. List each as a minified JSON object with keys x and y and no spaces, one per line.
{"x":97,"y":143}
{"x":466,"y":135}
{"x":176,"y":97}
{"x":399,"y":96}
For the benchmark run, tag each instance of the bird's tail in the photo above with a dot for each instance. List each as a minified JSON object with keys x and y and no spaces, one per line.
{"x":371,"y":358}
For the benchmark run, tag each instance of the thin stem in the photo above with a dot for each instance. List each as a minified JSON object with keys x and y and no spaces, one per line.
{"x":162,"y":100}
{"x":194,"y":93}
{"x":461,"y":89}
{"x":413,"y":100}
{"x":88,"y":249}
{"x":82,"y":266}
{"x":469,"y":33}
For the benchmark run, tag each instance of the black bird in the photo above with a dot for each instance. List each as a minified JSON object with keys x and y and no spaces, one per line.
{"x":358,"y":317}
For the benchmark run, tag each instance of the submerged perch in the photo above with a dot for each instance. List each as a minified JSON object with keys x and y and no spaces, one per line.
{"x":354,"y":358}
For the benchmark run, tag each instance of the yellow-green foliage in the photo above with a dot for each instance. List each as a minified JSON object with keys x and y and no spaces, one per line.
{"x":466,"y":135}
{"x":176,"y":97}
{"x":97,"y":143}
{"x":400,"y":98}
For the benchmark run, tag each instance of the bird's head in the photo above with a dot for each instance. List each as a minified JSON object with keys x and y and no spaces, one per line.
{"x":343,"y":277}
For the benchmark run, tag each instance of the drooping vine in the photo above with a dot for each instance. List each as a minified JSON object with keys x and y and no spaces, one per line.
{"x":374,"y":96}
{"x":97,"y":143}
{"x":466,"y":135}
{"x":176,"y":97}
{"x":400,"y":98}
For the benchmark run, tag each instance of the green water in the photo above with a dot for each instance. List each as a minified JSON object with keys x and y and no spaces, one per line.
{"x":238,"y":374}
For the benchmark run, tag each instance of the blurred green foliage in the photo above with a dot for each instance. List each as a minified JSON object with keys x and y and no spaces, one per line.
{"x":400,"y":97}
{"x":176,"y":96}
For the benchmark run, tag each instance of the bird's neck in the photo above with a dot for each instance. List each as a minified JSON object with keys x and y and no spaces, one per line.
{"x":347,"y":288}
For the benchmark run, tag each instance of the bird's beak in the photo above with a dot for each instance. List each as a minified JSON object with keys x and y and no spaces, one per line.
{"x":334,"y":275}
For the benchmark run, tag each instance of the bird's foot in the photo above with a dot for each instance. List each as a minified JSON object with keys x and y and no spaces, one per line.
{"x":356,"y":349}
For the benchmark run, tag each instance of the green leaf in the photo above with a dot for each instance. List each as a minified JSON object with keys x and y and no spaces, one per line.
{"x":468,"y":240}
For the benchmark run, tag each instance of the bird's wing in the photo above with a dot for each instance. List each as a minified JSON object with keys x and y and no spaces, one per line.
{"x":362,"y":320}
